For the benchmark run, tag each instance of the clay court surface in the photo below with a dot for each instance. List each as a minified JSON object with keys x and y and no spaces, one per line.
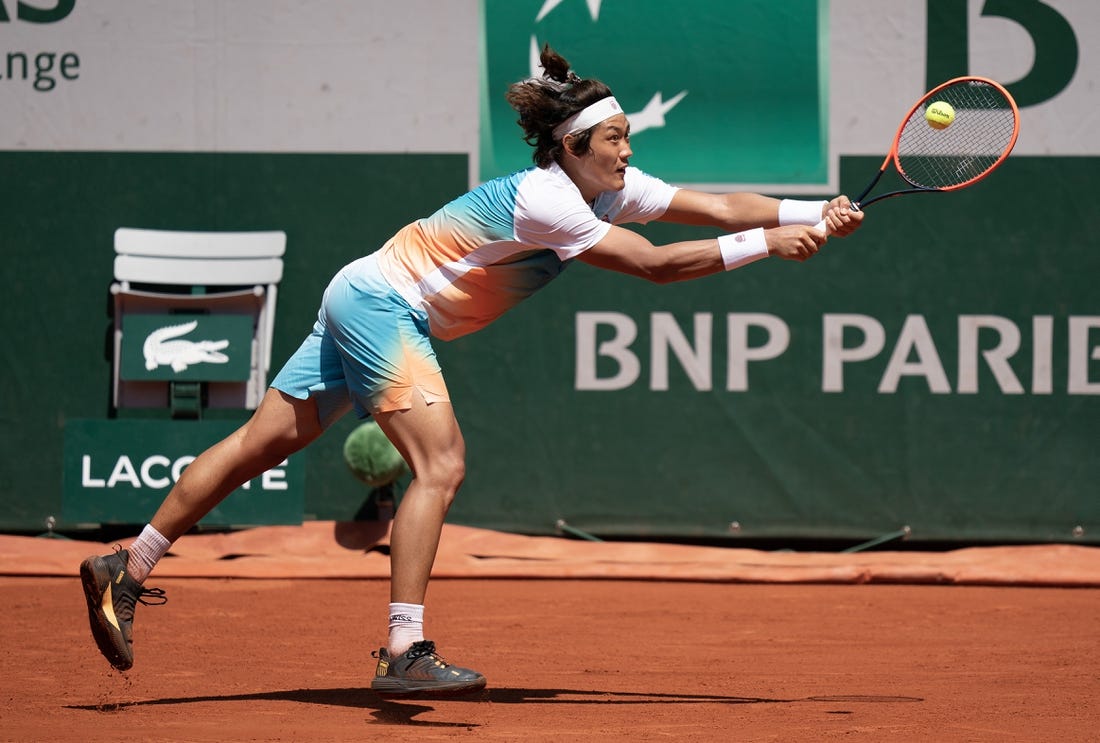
{"x":758,"y":655}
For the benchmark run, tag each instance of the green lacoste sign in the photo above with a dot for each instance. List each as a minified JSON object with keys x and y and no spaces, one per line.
{"x":197,"y":348}
{"x":118,"y":471}
{"x":716,"y":93}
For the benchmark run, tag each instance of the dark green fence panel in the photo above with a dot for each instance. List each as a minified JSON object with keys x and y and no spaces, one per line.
{"x":939,"y":370}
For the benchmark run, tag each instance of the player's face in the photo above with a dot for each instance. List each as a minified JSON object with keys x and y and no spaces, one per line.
{"x":604,"y":165}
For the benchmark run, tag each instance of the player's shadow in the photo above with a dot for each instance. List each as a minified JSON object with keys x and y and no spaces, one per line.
{"x":404,"y":711}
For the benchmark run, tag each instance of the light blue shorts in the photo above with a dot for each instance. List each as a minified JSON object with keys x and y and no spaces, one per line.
{"x":369,"y":350}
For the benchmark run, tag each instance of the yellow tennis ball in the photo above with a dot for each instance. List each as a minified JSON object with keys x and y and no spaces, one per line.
{"x":939,"y":115}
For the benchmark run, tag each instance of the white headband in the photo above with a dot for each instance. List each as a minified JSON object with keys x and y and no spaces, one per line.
{"x":588,"y":117}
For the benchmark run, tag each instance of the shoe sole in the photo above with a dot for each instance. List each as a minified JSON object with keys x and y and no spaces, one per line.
{"x":406,"y":687}
{"x":96,"y":581}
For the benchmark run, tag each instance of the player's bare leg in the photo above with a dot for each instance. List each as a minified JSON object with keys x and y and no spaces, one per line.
{"x":113,"y":583}
{"x":280,"y":426}
{"x":429,"y":439}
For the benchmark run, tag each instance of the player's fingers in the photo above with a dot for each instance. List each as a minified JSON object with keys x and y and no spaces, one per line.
{"x":843,"y":221}
{"x":802,"y":243}
{"x":796,"y":251}
{"x":811,"y":242}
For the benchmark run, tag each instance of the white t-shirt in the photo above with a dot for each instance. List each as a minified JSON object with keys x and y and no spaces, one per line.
{"x":493,"y":247}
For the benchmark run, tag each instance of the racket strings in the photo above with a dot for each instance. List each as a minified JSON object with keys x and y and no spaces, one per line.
{"x":979,"y":137}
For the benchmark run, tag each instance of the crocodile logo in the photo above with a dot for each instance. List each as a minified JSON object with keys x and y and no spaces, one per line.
{"x":161,"y":350}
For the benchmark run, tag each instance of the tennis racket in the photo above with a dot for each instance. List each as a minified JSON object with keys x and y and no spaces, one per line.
{"x":932,"y":156}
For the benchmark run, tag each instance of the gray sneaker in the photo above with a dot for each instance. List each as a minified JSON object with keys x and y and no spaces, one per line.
{"x":419,"y":670}
{"x":112,"y":595}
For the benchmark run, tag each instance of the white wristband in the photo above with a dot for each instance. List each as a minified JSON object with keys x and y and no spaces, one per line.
{"x":742,"y":248}
{"x":792,"y":211}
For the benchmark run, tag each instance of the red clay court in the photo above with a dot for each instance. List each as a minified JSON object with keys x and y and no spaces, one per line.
{"x":268,"y":632}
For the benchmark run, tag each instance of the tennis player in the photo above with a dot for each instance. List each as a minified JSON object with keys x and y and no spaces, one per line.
{"x":446,"y":276}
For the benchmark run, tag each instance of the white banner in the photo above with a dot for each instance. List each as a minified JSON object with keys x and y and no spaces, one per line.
{"x":247,"y":75}
{"x":398,"y":76}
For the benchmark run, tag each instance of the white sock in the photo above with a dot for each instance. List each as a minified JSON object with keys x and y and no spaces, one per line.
{"x":406,"y":627}
{"x":146,"y":552}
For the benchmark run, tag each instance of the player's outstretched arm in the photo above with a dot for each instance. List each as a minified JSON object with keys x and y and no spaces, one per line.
{"x":742,"y":211}
{"x":628,"y":252}
{"x":732,"y":212}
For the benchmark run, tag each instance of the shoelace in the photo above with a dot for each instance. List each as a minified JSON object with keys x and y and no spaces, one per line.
{"x":124,"y":609}
{"x":422,"y":648}
{"x":156,"y":596}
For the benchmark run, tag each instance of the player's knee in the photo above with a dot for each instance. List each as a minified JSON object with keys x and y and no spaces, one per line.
{"x":454,"y":472}
{"x":272,"y":449}
{"x":444,"y":474}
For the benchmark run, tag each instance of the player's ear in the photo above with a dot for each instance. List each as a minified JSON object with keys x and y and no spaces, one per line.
{"x":568,"y":144}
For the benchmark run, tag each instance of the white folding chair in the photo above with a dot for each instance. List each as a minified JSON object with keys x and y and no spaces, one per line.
{"x":169,"y":272}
